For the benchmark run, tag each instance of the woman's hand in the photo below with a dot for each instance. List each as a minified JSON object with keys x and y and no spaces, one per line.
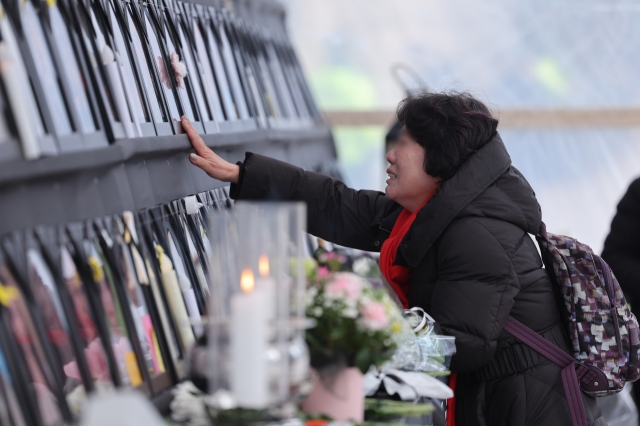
{"x":208,"y":160}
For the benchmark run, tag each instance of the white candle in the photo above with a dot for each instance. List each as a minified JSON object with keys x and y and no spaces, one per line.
{"x":117,"y":90}
{"x":192,"y":305}
{"x":188,"y":293}
{"x":248,"y":345}
{"x":267,"y":285}
{"x":175,"y":299}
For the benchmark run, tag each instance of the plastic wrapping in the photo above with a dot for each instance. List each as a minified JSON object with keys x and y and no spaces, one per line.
{"x":419,"y":347}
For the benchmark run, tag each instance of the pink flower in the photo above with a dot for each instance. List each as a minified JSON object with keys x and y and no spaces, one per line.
{"x":344,"y":286}
{"x":179,"y":69}
{"x":374,"y":316}
{"x":323,"y":273}
{"x":96,"y":361}
{"x":335,"y":256}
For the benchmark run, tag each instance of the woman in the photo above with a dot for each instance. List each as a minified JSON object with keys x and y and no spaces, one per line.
{"x":452,"y":229}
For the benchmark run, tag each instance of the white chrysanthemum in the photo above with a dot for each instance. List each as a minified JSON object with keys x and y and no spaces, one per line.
{"x":350,"y":312}
{"x":361,"y":266}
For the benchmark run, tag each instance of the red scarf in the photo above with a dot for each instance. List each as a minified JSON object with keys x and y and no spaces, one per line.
{"x":398,"y":276}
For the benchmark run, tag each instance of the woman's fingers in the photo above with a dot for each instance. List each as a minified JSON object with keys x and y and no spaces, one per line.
{"x":208,"y":160}
{"x":196,"y":160}
{"x":197,"y":142}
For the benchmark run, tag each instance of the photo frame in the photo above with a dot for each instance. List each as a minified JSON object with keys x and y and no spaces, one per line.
{"x":103,"y":278}
{"x":143,"y":112}
{"x":37,"y":285}
{"x":196,"y":229}
{"x":88,"y":30}
{"x":257,"y":81}
{"x":218,"y":68}
{"x":10,"y":144}
{"x":195,"y":299}
{"x":302,"y":96}
{"x":291,"y":108}
{"x":274,"y":103}
{"x":284,"y":93}
{"x":222,"y":44}
{"x":147,"y":67}
{"x":87,"y":294}
{"x":229,"y":59}
{"x":91,"y":328}
{"x":168,"y":277}
{"x":190,"y":257}
{"x":59,"y":29}
{"x":181,"y":38}
{"x":65,"y":101}
{"x":41,"y":140}
{"x":15,"y":378}
{"x":46,"y":242}
{"x":46,"y":72}
{"x":110,"y":63}
{"x":191,"y":26}
{"x":11,"y":413}
{"x":243,"y":63}
{"x":163,"y":337}
{"x":312,"y":107}
{"x":130,"y":304}
{"x":33,"y":347}
{"x":266,"y":98}
{"x":68,"y":355}
{"x":184,"y":85}
{"x":148,"y":249}
{"x":158,"y":57}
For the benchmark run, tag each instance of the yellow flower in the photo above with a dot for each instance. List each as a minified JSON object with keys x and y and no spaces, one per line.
{"x":8,"y":294}
{"x":96,"y":269}
{"x":396,"y":327}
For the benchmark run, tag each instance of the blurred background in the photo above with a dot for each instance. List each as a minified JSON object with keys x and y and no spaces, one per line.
{"x":562,"y":76}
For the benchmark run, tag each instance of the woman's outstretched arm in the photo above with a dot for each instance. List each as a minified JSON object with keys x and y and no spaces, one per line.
{"x":335,"y":212}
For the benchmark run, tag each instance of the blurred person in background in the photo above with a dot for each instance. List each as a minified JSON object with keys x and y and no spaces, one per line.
{"x":392,"y":136}
{"x":622,"y":251}
{"x":452,"y":228}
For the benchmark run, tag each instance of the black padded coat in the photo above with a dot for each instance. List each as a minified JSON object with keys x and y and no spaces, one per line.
{"x":622,"y":251}
{"x":472,"y":264}
{"x":622,"y":246}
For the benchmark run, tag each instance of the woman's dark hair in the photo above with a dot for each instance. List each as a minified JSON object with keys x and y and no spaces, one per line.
{"x":450,"y":127}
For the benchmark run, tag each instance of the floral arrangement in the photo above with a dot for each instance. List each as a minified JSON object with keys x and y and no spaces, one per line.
{"x":356,"y":325}
{"x":331,"y":261}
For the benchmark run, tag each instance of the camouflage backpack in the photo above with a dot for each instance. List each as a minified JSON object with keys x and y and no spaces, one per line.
{"x":602,"y":329}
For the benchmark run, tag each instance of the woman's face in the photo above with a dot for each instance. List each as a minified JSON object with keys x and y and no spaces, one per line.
{"x":408,"y":184}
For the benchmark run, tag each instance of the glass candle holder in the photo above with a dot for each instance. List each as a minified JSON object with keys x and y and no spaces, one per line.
{"x":256,"y":308}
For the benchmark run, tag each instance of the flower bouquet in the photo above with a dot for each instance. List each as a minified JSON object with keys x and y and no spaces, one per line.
{"x":355,"y":328}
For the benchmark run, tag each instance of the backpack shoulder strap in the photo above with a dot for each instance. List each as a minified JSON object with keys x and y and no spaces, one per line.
{"x":542,"y":232}
{"x":559,"y":357}
{"x":538,"y":343}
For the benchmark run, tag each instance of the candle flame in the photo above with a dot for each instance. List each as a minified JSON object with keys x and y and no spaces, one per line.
{"x":247,"y":281}
{"x":263,"y":266}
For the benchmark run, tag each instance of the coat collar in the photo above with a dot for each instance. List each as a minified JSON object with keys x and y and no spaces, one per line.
{"x":472,"y":178}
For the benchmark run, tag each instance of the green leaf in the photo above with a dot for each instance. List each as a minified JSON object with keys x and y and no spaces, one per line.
{"x":363,"y":360}
{"x":384,"y":409}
